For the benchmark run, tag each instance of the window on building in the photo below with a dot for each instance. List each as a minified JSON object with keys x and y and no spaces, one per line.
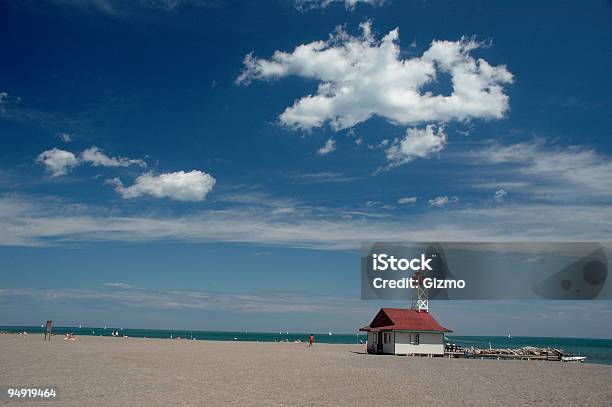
{"x":414,"y":339}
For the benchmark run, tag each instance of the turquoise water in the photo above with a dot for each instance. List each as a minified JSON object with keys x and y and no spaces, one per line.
{"x":596,"y":350}
{"x":200,"y":335}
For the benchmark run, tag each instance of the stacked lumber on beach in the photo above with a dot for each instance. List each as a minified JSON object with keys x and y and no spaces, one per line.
{"x":526,"y":352}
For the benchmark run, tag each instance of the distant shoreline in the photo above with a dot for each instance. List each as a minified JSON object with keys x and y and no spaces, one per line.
{"x":107,"y":330}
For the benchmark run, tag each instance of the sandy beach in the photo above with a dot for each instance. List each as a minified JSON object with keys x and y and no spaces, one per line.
{"x":155,"y":372}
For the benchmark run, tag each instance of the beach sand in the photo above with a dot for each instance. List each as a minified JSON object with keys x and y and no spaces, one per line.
{"x":155,"y":372}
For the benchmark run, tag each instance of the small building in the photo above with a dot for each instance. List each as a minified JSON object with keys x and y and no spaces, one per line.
{"x":399,"y":331}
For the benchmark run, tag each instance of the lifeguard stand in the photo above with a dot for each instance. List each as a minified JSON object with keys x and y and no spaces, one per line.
{"x":420,"y":300}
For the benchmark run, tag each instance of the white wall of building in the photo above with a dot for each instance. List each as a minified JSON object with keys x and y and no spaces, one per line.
{"x":429,"y":343}
{"x":389,"y":346}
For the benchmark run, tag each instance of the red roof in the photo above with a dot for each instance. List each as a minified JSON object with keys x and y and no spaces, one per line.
{"x":400,"y":319}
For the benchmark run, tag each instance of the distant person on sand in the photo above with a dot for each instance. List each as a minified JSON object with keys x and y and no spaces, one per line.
{"x":48,"y":330}
{"x":311,"y":341}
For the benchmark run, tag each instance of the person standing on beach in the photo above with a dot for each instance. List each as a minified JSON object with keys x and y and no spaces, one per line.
{"x":310,"y":340}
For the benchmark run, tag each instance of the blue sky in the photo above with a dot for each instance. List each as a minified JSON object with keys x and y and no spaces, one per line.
{"x":217,"y":164}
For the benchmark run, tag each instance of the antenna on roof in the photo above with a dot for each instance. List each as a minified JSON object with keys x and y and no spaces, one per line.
{"x":420,"y":300}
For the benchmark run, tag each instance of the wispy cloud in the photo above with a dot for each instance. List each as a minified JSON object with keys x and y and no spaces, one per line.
{"x":348,"y":4}
{"x":407,"y":200}
{"x":328,"y":147}
{"x":65,"y":137}
{"x":547,"y":171}
{"x":250,"y":303}
{"x":33,"y":222}
{"x":123,"y":285}
{"x":499,"y":195}
{"x":96,"y":158}
{"x":322,"y":178}
{"x":443,"y":200}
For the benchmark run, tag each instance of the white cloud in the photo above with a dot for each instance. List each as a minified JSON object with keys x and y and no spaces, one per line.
{"x":417,"y":143}
{"x":360,"y":77}
{"x":407,"y":200}
{"x":499,"y":195}
{"x":60,"y":162}
{"x":349,"y":4}
{"x":330,"y":145}
{"x":57,"y":162}
{"x":65,"y":137}
{"x":180,"y":186}
{"x":441,"y":201}
{"x":96,"y":158}
{"x":549,"y":171}
{"x":239,"y":302}
{"x":35,"y":221}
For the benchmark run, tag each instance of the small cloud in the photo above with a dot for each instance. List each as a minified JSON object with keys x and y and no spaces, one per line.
{"x":180,"y":186}
{"x":97,"y":158}
{"x":65,"y":137}
{"x":499,"y":195}
{"x":417,"y":143}
{"x":441,"y":201}
{"x":407,"y":200}
{"x":119,"y":285}
{"x":283,"y":211}
{"x":322,"y":178}
{"x":60,"y":162}
{"x":378,"y":204}
{"x":359,"y":141}
{"x":57,"y":162}
{"x":330,"y":145}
